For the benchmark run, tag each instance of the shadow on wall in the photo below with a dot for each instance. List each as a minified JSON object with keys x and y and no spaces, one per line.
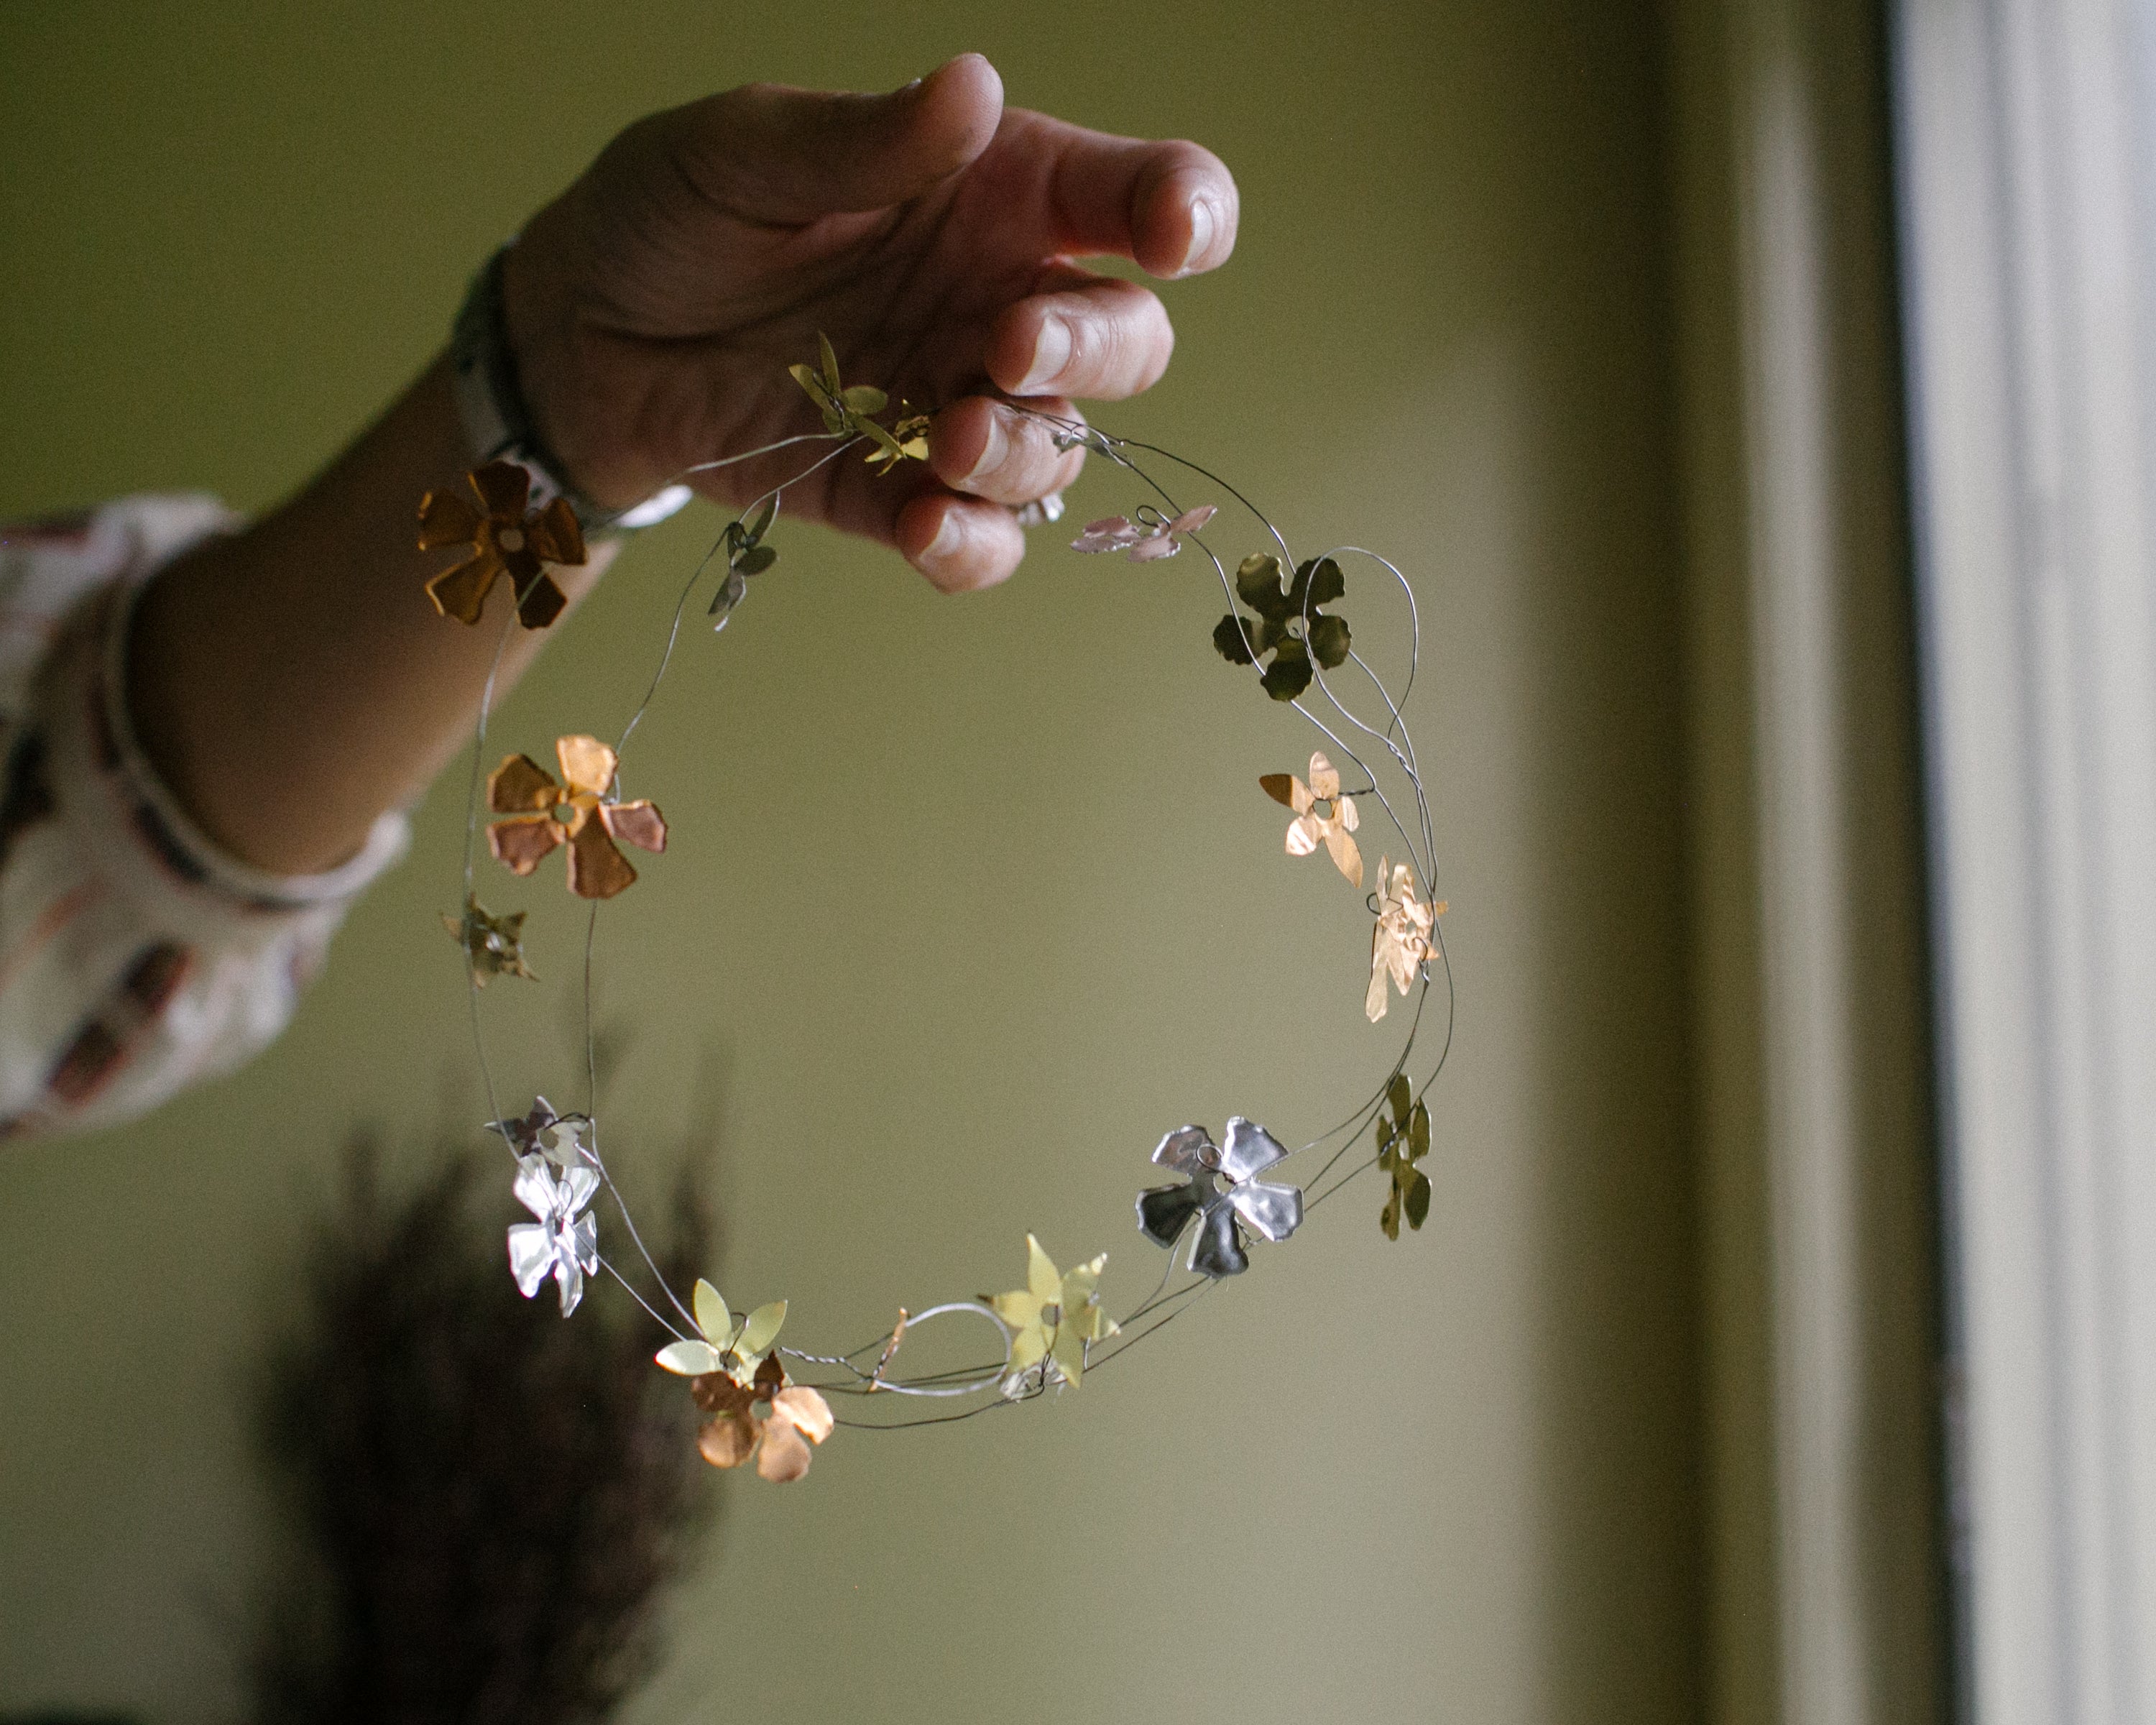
{"x":487,"y":1504}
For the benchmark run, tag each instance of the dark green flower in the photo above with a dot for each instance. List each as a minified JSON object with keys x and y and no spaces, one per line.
{"x":1289,"y":624}
{"x":1403,"y":1141}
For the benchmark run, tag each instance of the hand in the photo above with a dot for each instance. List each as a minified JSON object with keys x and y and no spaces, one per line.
{"x":655,"y":306}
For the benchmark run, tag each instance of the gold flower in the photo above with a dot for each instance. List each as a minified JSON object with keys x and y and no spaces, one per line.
{"x":1053,"y":1317}
{"x":1400,"y":942}
{"x":543,"y":813}
{"x":1322,"y":816}
{"x":503,"y":541}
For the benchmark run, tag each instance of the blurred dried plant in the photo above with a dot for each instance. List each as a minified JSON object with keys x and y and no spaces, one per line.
{"x":491,"y":1501}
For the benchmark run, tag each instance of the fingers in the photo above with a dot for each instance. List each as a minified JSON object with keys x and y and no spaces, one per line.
{"x":959,"y":544}
{"x":983,"y":448}
{"x":1104,"y":339}
{"x":1172,"y":207}
{"x":773,"y":155}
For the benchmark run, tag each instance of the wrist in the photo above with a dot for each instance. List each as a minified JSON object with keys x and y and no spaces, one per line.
{"x":513,"y":365}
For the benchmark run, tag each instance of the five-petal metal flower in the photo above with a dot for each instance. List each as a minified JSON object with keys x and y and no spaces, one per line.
{"x":564,"y":1239}
{"x":1404,"y":1141}
{"x":1289,"y":625}
{"x":1400,"y":942}
{"x":1322,"y":816}
{"x":797,"y":1416}
{"x":505,"y":539}
{"x":1052,"y":1318}
{"x":1271,"y":1211}
{"x":1142,"y":541}
{"x":543,"y":813}
{"x":494,"y":946}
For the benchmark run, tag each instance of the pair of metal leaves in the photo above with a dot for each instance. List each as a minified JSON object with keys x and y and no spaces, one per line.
{"x":746,"y":555}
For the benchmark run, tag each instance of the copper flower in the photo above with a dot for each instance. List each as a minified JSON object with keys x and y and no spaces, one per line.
{"x":1400,"y":942}
{"x":1330,"y":825}
{"x":543,"y":813}
{"x":779,"y":1438}
{"x":505,"y":541}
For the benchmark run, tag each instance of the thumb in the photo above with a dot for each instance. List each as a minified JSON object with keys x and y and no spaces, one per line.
{"x":770,"y":153}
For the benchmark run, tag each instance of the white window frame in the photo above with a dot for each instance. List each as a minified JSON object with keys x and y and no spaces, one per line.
{"x":2027,"y":136}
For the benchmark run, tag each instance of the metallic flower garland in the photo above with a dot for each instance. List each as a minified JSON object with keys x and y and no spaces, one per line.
{"x":1052,"y":1331}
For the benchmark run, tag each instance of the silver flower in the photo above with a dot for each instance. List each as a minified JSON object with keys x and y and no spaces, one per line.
{"x":1271,"y":1210}
{"x":560,"y":1141}
{"x":562,"y":1240}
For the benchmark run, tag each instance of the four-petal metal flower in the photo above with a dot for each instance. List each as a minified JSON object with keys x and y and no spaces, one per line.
{"x":1289,"y":625}
{"x":1147,"y":540}
{"x":1404,"y":1141}
{"x":494,"y":946}
{"x":564,"y":1240}
{"x":505,"y":539}
{"x":1052,"y":1318}
{"x":1400,"y":942}
{"x":1322,"y":816}
{"x":1271,"y":1211}
{"x":543,"y":813}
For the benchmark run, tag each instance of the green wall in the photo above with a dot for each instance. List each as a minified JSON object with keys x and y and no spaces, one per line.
{"x":970,"y":899}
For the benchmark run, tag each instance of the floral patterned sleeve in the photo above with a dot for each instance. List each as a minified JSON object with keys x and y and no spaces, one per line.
{"x":136,"y":956}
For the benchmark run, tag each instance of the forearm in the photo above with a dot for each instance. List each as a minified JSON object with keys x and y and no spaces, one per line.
{"x":291,"y":682}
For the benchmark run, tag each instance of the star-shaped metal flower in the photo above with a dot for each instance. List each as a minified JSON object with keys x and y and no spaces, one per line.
{"x":505,"y":539}
{"x":543,"y":813}
{"x":564,"y":1241}
{"x":494,"y":946}
{"x":1289,"y":624}
{"x":1147,"y":540}
{"x":1273,"y":1211}
{"x":1400,"y":942}
{"x":1052,"y":1319}
{"x":1322,"y":816}
{"x":543,"y":1132}
{"x":1402,"y":1141}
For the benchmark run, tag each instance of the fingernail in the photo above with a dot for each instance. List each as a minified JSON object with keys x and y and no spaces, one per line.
{"x":1204,"y":223}
{"x":1051,"y":352}
{"x":947,"y":540}
{"x":996,"y":447}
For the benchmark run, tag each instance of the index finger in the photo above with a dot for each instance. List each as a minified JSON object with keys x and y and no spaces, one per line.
{"x":1172,"y":207}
